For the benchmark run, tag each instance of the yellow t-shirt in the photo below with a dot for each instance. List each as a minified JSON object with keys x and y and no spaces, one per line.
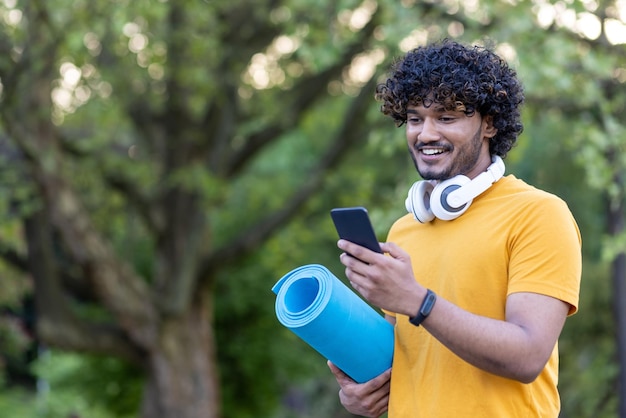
{"x":513,"y":238}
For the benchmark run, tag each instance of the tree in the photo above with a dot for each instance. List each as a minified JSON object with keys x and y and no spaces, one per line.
{"x":140,"y":111}
{"x":153,"y":149}
{"x":590,"y":93}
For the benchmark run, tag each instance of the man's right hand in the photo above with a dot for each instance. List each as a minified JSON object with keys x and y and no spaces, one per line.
{"x":369,"y":399}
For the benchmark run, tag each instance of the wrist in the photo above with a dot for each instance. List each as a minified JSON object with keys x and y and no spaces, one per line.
{"x":409,"y":304}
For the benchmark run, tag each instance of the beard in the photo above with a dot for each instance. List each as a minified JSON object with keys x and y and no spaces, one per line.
{"x":466,"y":158}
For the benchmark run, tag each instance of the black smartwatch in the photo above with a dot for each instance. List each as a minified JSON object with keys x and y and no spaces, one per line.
{"x":427,"y":306}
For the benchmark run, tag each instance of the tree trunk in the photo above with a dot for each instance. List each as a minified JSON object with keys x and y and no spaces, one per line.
{"x":182,"y":378}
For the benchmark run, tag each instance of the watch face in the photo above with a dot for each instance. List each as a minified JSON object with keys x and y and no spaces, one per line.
{"x":428,"y":304}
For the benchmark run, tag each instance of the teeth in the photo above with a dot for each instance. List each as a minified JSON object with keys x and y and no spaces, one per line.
{"x":432,"y":151}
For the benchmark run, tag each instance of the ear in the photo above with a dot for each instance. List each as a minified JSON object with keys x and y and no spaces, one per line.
{"x":489,"y":131}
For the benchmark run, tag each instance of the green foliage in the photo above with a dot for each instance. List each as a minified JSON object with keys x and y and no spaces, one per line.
{"x":19,"y":403}
{"x":573,"y":121}
{"x":75,"y":385}
{"x":16,"y":339}
{"x":588,"y":374}
{"x":247,"y":332}
{"x":13,"y":340}
{"x":87,"y":386}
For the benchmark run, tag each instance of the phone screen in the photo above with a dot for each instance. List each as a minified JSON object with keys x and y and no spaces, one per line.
{"x":353,"y":224}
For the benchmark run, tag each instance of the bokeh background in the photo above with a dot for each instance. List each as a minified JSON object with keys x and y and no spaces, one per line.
{"x":163,"y":163}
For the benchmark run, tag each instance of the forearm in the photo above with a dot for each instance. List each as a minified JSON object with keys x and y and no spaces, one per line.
{"x":508,"y":348}
{"x":495,"y":346}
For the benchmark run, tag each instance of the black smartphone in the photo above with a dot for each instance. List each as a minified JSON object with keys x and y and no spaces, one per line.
{"x":353,"y":224}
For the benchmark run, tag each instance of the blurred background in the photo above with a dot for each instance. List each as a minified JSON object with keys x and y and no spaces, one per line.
{"x":164,"y":163}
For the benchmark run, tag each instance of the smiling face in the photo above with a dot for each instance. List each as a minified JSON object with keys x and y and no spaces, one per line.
{"x":446,"y":143}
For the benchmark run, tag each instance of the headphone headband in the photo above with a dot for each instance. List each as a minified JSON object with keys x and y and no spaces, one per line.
{"x":450,"y":198}
{"x":478,"y":185}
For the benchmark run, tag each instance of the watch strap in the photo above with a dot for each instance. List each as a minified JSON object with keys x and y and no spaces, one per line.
{"x":425,"y":308}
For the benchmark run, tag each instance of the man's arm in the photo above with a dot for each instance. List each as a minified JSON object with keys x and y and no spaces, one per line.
{"x":517,"y":347}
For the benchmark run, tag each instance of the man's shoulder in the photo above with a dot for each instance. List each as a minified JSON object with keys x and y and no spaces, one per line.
{"x":513,"y":187}
{"x":522,"y":201}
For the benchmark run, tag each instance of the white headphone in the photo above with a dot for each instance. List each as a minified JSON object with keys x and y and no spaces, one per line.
{"x":450,"y":198}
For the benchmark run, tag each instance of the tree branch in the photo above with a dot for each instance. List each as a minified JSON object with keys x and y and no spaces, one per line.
{"x":56,"y":324}
{"x":138,"y":200}
{"x":79,"y":336}
{"x":252,"y":237}
{"x":306,"y":92}
{"x":124,"y":293}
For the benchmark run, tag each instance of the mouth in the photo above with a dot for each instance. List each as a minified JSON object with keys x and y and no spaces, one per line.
{"x":431,"y":151}
{"x":432,"y":160}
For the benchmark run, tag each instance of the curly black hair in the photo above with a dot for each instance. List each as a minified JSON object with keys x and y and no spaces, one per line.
{"x":458,"y":77}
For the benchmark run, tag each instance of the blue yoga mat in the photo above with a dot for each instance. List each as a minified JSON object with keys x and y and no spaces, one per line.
{"x":326,"y":314}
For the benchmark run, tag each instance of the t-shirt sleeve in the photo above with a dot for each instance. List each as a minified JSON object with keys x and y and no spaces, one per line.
{"x":545,"y":253}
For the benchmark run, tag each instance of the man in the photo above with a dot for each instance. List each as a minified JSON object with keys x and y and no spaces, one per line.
{"x":478,"y":283}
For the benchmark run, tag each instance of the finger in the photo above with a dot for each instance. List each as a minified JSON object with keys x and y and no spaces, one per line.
{"x":334,"y":369}
{"x":353,"y":270}
{"x":341,"y":377}
{"x":394,"y":250}
{"x":381,"y":406}
{"x":360,"y":255}
{"x":381,"y":380}
{"x":377,"y":404}
{"x":356,"y":269}
{"x":357,"y":280}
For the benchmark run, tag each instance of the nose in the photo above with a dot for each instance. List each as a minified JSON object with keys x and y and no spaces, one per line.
{"x":429,"y":131}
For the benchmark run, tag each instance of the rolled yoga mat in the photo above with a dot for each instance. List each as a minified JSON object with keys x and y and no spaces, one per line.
{"x":321,"y":310}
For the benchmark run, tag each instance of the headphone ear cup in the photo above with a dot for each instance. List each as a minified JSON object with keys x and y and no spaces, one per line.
{"x":439,"y":200}
{"x":418,"y":201}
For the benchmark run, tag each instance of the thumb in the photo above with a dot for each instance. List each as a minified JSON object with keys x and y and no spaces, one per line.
{"x":339,"y":374}
{"x":394,"y":250}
